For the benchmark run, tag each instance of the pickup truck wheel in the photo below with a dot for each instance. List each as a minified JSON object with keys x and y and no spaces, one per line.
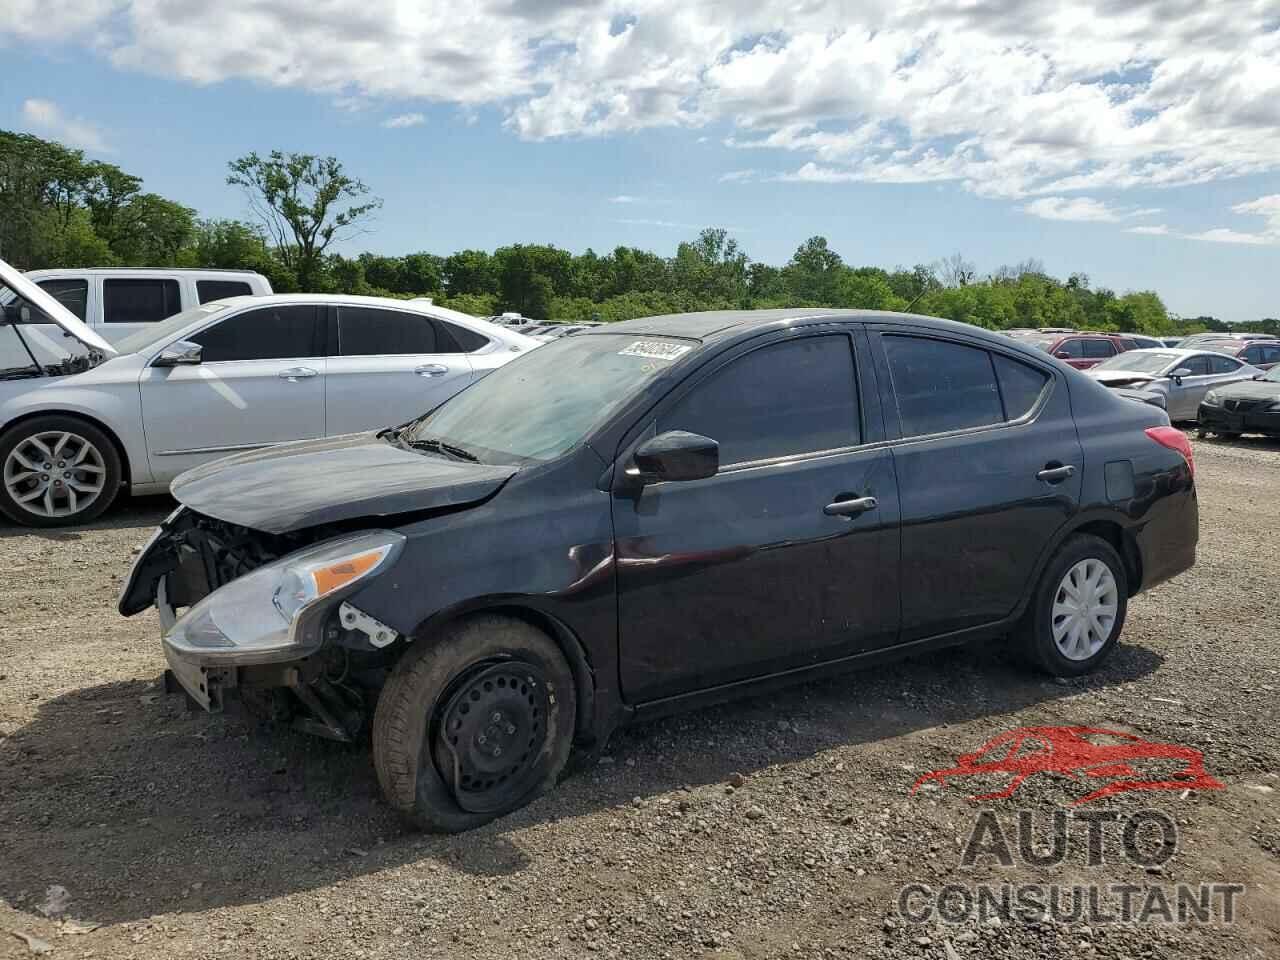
{"x":56,"y":471}
{"x":1078,"y":609}
{"x":473,"y":724}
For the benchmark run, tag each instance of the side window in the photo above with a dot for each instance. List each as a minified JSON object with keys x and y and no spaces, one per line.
{"x":207,"y":290}
{"x":1198,"y":365}
{"x":369,"y":331}
{"x":786,"y":399}
{"x":271,"y":333}
{"x":1020,"y":385}
{"x":1270,"y":355}
{"x":942,"y":386}
{"x":72,"y":294}
{"x":1072,"y":348}
{"x":1252,"y":355}
{"x":139,"y":300}
{"x":1223,"y":365}
{"x":1097,"y":347}
{"x":467,"y":341}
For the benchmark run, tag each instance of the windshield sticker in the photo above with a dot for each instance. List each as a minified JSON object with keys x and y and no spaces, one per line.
{"x":655,"y":350}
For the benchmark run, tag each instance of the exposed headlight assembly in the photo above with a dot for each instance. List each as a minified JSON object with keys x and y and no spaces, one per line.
{"x":270,"y":614}
{"x":1211,"y":398}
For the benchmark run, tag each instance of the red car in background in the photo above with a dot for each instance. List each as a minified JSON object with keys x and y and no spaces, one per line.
{"x":1263,"y":354}
{"x":1080,"y":350}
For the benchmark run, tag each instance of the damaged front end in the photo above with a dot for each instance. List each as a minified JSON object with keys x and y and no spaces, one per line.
{"x":266,"y":615}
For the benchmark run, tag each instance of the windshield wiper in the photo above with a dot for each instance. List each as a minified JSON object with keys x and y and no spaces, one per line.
{"x":441,"y":446}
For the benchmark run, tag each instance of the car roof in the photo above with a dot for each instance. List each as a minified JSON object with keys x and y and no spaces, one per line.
{"x":121,"y":271}
{"x":720,"y":324}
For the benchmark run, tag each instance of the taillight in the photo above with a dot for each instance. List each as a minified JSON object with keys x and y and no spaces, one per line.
{"x":1174,"y":439}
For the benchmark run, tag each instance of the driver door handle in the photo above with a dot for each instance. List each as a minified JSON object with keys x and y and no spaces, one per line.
{"x":294,"y":374}
{"x":1056,"y":474}
{"x":850,"y":508}
{"x":431,"y":370}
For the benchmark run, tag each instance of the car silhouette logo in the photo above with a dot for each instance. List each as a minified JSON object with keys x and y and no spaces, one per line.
{"x":1078,"y":752}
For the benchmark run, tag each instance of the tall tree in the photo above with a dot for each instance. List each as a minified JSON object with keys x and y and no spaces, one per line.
{"x":306,"y":203}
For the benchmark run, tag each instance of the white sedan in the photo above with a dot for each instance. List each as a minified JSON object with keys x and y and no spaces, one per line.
{"x":83,"y":419}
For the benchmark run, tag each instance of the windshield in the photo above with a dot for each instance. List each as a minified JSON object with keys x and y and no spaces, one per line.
{"x":545,"y":403}
{"x":1273,"y":374}
{"x":156,"y":332}
{"x":1139,"y":361}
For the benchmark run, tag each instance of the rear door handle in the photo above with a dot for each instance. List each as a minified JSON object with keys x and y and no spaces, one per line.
{"x":431,"y":370}
{"x":849,"y":508}
{"x":1056,"y":474}
{"x":294,"y":374}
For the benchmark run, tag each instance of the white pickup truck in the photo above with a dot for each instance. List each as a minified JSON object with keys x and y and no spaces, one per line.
{"x":117,"y":301}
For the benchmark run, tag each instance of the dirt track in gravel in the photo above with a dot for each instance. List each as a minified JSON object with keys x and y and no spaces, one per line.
{"x":183,"y":835}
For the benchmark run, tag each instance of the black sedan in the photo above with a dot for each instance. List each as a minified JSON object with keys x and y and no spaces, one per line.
{"x":657,"y":514}
{"x":1248,"y":406}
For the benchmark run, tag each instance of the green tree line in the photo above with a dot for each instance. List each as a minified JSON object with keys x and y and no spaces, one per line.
{"x":58,"y":208}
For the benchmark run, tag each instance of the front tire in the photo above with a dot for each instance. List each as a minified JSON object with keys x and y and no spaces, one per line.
{"x":474,"y":724}
{"x":57,"y":471}
{"x":1078,"y":610}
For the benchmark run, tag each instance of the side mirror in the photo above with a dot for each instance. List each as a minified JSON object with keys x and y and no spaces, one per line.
{"x":676,"y":455}
{"x":183,"y":353}
{"x":1063,"y":355}
{"x":1178,"y":374}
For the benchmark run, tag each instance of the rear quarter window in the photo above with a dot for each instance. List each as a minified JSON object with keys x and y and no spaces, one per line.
{"x":941,"y":386}
{"x":1020,"y":385}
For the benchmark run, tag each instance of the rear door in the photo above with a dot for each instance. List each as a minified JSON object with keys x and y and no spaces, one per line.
{"x":746,"y":573}
{"x":390,"y":366}
{"x":989,"y":468}
{"x":260,"y":381}
{"x":130,"y":304}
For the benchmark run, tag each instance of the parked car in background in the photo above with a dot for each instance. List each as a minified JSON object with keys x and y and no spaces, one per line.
{"x":513,"y":320}
{"x":1179,"y":377}
{"x":1248,"y":406}
{"x":225,"y":376}
{"x":1171,"y":341}
{"x":117,"y":302}
{"x":655,"y":514}
{"x":1263,"y":354}
{"x":1197,"y":338}
{"x":1141,"y":341}
{"x":1080,"y":350}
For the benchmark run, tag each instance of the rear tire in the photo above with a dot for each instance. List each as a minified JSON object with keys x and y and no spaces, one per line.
{"x":448,"y":767}
{"x":1078,"y":609}
{"x":57,"y":471}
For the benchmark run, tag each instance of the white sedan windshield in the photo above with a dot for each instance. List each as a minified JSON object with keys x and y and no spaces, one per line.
{"x":1139,"y":361}
{"x":156,"y":332}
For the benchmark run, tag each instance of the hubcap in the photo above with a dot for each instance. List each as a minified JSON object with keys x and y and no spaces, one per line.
{"x":54,"y":474}
{"x":489,"y":736}
{"x":1084,"y":609}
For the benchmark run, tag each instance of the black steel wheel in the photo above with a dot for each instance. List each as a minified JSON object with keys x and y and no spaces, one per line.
{"x":474,"y":723}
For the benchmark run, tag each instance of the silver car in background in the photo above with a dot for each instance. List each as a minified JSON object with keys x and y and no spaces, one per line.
{"x":1176,"y":380}
{"x":225,"y":376}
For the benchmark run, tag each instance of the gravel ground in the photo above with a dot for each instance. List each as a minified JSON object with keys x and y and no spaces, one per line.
{"x":780,"y":826}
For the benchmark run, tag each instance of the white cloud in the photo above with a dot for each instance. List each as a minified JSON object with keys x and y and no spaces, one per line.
{"x":624,"y":198}
{"x":1155,"y":230}
{"x":404,"y":120}
{"x":1082,"y":209}
{"x":740,"y":176}
{"x":1017,"y":99}
{"x":48,"y":119}
{"x":672,"y":224}
{"x":1267,"y":207}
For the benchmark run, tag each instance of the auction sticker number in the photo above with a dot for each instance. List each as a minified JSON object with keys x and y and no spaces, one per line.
{"x":655,"y":350}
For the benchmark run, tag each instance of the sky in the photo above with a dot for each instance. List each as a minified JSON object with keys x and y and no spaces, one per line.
{"x":1136,"y":142}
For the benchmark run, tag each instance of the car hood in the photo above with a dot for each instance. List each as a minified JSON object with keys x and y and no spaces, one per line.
{"x":1115,"y":378}
{"x":304,"y":484}
{"x":17,"y":281}
{"x":1249,"y":390}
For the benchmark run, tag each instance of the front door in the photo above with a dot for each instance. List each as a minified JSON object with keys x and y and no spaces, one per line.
{"x":748,"y":572}
{"x":989,"y":467}
{"x":260,"y":381}
{"x":390,"y":366}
